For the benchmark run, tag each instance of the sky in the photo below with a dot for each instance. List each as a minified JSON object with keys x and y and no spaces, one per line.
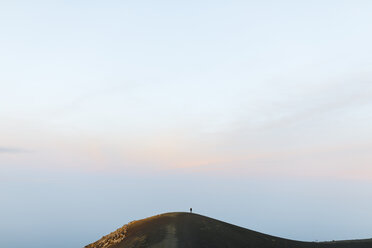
{"x":257,"y":113}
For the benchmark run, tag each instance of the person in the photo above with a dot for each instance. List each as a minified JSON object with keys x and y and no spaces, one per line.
{"x":190,"y":210}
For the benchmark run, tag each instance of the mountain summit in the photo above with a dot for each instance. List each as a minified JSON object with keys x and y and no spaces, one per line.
{"x":186,"y":230}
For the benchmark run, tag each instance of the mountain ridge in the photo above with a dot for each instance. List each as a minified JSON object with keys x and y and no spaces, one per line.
{"x":189,"y":230}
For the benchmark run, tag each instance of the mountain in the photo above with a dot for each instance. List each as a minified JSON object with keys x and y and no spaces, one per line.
{"x":186,"y":230}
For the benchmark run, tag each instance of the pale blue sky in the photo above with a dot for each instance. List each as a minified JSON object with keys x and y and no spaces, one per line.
{"x":267,"y":95}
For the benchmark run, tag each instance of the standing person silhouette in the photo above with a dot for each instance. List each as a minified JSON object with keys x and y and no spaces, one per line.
{"x":190,"y":210}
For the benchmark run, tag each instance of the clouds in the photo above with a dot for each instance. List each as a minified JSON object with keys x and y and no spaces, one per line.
{"x":12,"y":150}
{"x":226,"y":88}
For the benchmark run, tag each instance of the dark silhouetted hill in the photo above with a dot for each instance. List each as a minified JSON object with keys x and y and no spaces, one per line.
{"x":185,"y":230}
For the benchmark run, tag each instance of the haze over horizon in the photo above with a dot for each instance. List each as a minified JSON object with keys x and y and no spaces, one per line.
{"x":258,"y":113}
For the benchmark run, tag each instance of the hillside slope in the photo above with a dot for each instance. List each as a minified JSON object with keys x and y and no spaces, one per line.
{"x":185,"y":230}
